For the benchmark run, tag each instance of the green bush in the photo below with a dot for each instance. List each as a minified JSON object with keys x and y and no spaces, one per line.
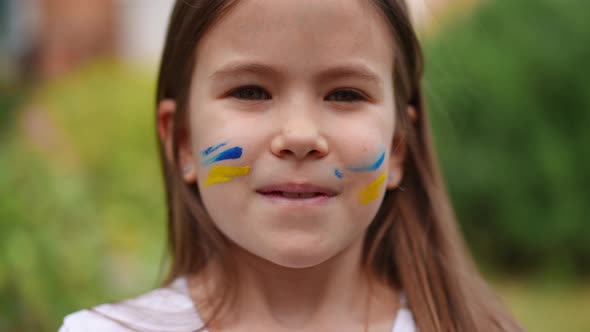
{"x":82,"y":207}
{"x":509,"y":98}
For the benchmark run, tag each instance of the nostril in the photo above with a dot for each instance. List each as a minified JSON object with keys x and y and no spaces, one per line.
{"x":285,"y":153}
{"x":315,"y":154}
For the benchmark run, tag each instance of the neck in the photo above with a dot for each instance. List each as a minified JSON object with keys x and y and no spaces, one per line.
{"x":323,"y":297}
{"x":303,"y":297}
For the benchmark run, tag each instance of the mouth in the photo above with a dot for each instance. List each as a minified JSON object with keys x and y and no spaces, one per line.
{"x":297,"y":193}
{"x":293,"y":195}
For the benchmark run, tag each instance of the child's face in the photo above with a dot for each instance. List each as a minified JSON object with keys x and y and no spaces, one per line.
{"x":294,"y":97}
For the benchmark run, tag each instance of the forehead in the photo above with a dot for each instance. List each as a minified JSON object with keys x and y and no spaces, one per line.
{"x":299,"y":35}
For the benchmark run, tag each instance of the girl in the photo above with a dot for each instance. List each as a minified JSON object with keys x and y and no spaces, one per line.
{"x":302,"y":189}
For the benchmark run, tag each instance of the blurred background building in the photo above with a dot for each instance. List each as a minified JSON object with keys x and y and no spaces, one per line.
{"x":41,"y":39}
{"x":45,"y":38}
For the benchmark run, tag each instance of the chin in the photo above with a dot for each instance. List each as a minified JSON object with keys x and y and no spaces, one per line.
{"x":299,"y":262}
{"x":300,"y":257}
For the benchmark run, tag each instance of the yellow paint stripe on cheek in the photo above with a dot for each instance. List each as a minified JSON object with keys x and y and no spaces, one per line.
{"x":218,"y":174}
{"x":371,"y":192}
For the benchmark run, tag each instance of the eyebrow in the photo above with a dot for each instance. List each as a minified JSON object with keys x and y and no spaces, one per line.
{"x":358,"y":71}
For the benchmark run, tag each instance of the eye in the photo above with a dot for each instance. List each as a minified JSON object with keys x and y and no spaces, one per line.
{"x":346,"y":96}
{"x":250,"y":93}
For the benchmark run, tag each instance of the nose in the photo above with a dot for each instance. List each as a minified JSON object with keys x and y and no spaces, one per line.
{"x":299,"y":137}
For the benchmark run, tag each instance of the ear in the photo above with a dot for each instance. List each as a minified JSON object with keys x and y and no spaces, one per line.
{"x":165,"y":123}
{"x":398,"y":154}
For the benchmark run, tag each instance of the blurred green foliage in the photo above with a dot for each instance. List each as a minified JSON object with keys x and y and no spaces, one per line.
{"x":10,"y":97}
{"x":509,"y":100}
{"x":81,"y":197}
{"x":82,"y":206}
{"x":547,"y":307}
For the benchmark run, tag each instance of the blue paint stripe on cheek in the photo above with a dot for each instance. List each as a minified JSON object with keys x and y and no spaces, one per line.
{"x":338,"y":173}
{"x":371,"y":167}
{"x":212,"y":149}
{"x":233,"y":153}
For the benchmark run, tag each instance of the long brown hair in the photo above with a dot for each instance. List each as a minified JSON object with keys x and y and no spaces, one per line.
{"x":413,"y":242}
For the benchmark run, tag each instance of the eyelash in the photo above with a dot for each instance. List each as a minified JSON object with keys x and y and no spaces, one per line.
{"x":234,"y":93}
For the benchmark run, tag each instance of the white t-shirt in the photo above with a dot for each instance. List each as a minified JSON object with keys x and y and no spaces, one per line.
{"x":168,"y":309}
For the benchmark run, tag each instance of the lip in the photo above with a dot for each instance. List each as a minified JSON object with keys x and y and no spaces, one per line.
{"x":274,"y":193}
{"x":297,"y":188}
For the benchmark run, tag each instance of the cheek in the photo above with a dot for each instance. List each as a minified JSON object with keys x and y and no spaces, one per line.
{"x":364,"y":147}
{"x":225,"y":205}
{"x":362,"y":142}
{"x":222,"y":151}
{"x":210,"y":129}
{"x":223,"y":162}
{"x":371,"y":189}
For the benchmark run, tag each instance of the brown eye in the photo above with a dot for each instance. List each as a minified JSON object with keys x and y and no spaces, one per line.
{"x":345,"y":96}
{"x":250,"y":93}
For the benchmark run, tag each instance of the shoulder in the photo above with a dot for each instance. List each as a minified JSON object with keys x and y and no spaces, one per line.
{"x":404,"y":320}
{"x":86,"y":320}
{"x":167,"y":309}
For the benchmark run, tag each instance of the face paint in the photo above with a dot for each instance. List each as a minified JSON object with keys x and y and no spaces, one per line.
{"x":338,"y":173}
{"x":233,"y":153}
{"x":219,"y":174}
{"x":211,"y":149}
{"x":373,"y":167}
{"x":371,"y":192}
